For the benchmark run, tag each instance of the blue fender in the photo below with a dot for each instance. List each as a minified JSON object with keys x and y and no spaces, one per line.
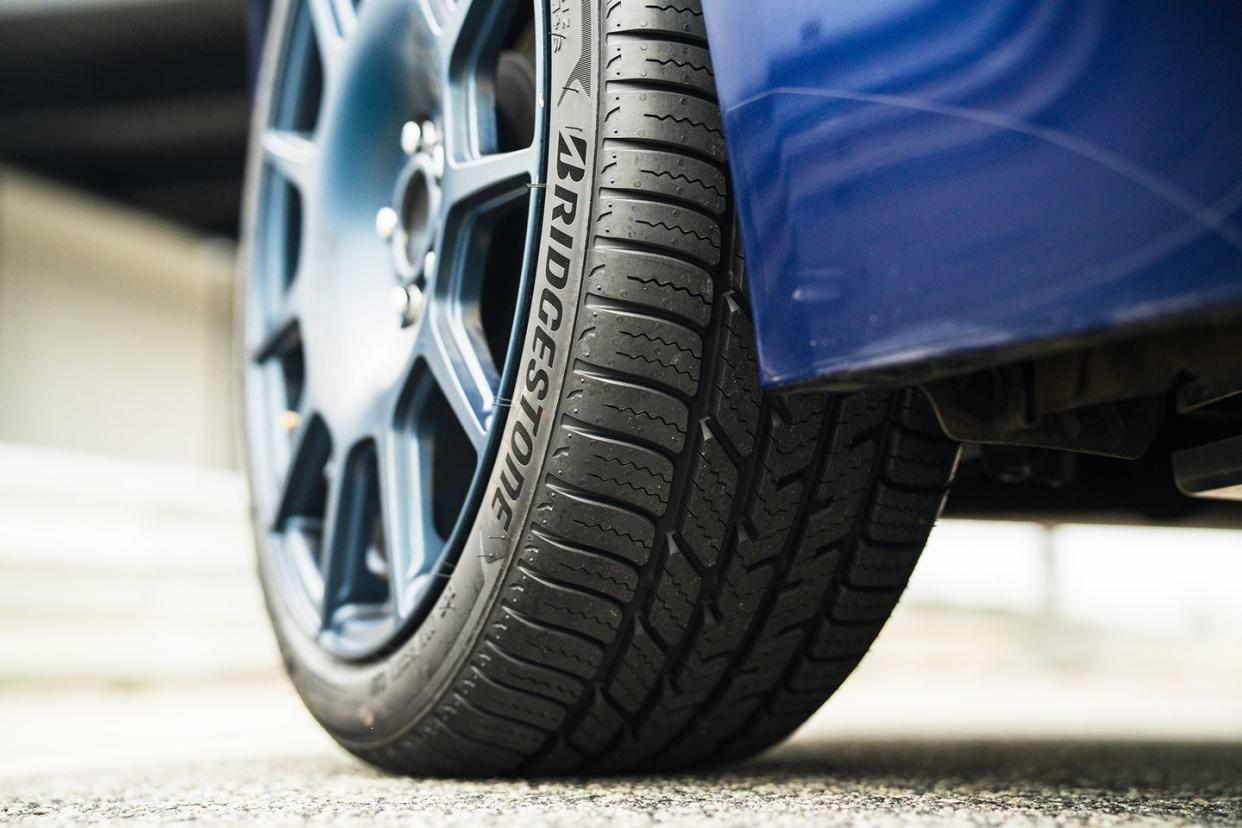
{"x":931,"y":181}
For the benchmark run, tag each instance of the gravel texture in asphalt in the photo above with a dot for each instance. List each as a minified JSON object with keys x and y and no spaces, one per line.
{"x":857,"y":781}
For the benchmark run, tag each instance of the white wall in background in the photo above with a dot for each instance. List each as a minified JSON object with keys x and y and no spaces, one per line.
{"x":1179,"y":582}
{"x":114,"y":330}
{"x":125,"y":571}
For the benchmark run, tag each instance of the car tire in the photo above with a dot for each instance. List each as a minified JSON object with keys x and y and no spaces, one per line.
{"x":669,"y":566}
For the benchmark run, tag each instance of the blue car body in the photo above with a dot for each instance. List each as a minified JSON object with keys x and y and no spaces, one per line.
{"x":931,"y":182}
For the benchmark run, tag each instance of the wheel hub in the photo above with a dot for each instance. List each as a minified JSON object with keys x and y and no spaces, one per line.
{"x":356,"y":324}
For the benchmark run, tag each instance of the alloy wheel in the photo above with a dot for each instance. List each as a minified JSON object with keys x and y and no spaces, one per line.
{"x":397,"y":168}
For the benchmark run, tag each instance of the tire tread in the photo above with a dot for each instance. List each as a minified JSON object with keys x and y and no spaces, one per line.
{"x":705,"y":563}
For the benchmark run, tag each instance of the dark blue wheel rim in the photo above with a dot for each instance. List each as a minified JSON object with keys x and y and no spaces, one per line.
{"x":393,"y":240}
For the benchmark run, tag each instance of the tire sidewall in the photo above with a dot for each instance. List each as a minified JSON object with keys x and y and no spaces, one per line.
{"x":368,"y":704}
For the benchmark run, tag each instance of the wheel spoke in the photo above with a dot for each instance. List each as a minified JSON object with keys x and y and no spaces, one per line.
{"x":490,"y":176}
{"x":332,"y":547}
{"x":346,"y":16}
{"x":292,"y":154}
{"x":464,"y":18}
{"x":346,"y":527}
{"x":333,"y":21}
{"x":466,"y":381}
{"x":407,"y":523}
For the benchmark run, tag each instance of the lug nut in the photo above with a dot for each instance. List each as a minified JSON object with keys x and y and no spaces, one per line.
{"x":430,"y":134}
{"x":429,"y":264}
{"x":386,"y":221}
{"x":400,"y":299}
{"x":437,"y":161}
{"x":411,"y":137}
{"x":407,"y":301}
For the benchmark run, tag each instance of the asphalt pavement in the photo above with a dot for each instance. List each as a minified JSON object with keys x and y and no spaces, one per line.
{"x":249,"y":752}
{"x":861,"y":782}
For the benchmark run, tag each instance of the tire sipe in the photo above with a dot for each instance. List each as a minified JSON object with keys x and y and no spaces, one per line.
{"x":668,"y":566}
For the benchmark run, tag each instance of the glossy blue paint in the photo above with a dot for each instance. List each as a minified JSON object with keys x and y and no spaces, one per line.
{"x":925,"y":180}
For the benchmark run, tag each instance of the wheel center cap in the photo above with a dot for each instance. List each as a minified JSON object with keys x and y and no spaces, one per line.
{"x":417,"y":209}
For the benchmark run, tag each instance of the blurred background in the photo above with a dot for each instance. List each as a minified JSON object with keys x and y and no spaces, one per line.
{"x":131,"y":627}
